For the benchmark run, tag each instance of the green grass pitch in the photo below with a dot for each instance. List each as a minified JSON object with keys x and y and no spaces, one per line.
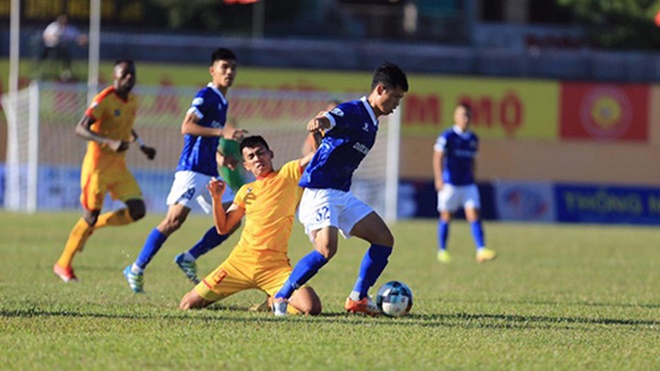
{"x":558,"y":297}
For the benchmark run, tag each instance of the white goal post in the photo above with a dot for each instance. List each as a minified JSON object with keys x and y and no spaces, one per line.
{"x":44,"y":154}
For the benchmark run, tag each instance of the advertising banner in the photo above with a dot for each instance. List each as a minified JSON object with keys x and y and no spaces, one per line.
{"x":604,"y":112}
{"x":523,"y":201}
{"x":654,"y":115}
{"x":511,"y":109}
{"x":607,"y":204}
{"x":502,"y":108}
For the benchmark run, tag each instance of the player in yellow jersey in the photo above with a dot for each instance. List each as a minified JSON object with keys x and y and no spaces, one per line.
{"x":108,"y":126}
{"x":259,"y":260}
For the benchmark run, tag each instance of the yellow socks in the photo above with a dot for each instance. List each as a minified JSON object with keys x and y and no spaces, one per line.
{"x":77,"y":238}
{"x":118,"y":217}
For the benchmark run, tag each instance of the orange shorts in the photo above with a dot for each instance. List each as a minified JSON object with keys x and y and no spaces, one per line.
{"x":95,"y":183}
{"x":236,"y":274}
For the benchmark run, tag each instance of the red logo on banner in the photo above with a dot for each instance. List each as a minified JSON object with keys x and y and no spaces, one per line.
{"x":606,"y":112}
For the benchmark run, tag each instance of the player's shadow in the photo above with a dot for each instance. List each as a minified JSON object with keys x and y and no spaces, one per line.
{"x":454,"y":320}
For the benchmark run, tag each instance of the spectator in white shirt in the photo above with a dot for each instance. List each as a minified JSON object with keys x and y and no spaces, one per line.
{"x":56,"y":37}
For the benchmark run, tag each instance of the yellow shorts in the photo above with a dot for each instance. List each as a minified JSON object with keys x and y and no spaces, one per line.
{"x":95,"y":183}
{"x":235,"y":275}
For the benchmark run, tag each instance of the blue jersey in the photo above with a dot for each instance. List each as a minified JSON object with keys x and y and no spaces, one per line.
{"x":198,"y":153}
{"x":344,"y":145}
{"x":459,"y":149}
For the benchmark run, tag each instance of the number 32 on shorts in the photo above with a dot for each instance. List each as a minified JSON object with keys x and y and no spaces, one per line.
{"x":322,"y":213}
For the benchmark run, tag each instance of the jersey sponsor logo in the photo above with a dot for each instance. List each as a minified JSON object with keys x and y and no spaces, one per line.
{"x":198,"y":101}
{"x":464,"y":153}
{"x":361,"y":148}
{"x":338,"y":112}
{"x":249,"y":197}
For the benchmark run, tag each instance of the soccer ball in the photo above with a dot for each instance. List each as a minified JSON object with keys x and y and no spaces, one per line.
{"x":394,"y":299}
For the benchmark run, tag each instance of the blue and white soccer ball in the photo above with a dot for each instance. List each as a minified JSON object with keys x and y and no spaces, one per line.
{"x":394,"y":299}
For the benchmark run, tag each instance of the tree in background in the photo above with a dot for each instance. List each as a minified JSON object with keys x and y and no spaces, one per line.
{"x":618,"y":24}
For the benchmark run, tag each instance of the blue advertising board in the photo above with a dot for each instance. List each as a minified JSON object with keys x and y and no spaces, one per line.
{"x":607,"y":204}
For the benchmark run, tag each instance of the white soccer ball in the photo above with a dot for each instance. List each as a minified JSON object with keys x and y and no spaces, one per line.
{"x":394,"y":299}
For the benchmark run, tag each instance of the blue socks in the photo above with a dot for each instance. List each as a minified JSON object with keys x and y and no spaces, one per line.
{"x":302,"y":272}
{"x":151,"y":246}
{"x":443,"y":234}
{"x":477,"y":233}
{"x":373,"y":264}
{"x":156,"y":239}
{"x":210,"y":240}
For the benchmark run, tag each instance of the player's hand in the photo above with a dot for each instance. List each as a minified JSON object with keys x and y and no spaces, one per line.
{"x":318,"y":124}
{"x":118,"y":145}
{"x":233,"y":133}
{"x":216,"y":188}
{"x":150,"y":152}
{"x":439,"y":184}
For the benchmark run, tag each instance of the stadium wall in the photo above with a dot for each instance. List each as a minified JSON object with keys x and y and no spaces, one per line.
{"x":541,"y":131}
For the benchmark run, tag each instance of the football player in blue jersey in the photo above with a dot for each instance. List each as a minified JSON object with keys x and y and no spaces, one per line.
{"x":328,"y":207}
{"x":202,"y":127}
{"x":453,"y":170}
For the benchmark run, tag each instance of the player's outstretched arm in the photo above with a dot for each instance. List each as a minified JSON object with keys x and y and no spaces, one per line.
{"x":150,"y":152}
{"x":83,"y":130}
{"x":190,"y":126}
{"x":305,"y":160}
{"x":224,"y":220}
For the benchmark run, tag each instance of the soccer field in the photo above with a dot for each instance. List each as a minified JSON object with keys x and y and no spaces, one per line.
{"x":557,"y":297}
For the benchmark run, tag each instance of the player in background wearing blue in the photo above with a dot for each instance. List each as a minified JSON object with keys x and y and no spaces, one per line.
{"x":453,"y":170}
{"x":328,"y":207}
{"x":202,"y":127}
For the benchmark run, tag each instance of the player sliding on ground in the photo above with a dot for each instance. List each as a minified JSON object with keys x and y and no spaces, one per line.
{"x":259,"y":260}
{"x":328,"y":207}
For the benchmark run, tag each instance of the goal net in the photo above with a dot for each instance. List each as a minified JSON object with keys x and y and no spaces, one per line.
{"x":44,"y":154}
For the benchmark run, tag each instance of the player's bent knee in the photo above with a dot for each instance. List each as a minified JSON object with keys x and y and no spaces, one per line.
{"x":170,"y":225}
{"x":307,"y":301}
{"x":316,"y":309}
{"x":384,"y":239}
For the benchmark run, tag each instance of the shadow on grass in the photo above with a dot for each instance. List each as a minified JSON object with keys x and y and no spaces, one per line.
{"x":459,"y":320}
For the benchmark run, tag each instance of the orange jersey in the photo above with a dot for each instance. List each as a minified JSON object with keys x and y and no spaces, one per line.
{"x":114,"y":119}
{"x":270,"y":205}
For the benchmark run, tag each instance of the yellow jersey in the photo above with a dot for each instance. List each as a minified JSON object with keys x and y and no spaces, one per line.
{"x":114,"y":119}
{"x":270,"y":204}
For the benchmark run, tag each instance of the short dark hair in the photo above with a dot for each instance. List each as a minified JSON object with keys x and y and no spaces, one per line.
{"x":128,"y":61}
{"x":254,"y":141}
{"x":390,"y":75}
{"x":222,"y":54}
{"x":466,"y":107}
